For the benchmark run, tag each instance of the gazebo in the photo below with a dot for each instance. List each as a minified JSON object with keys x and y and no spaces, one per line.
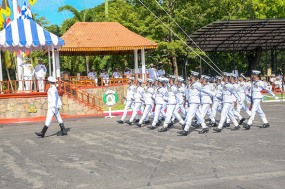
{"x":105,"y":38}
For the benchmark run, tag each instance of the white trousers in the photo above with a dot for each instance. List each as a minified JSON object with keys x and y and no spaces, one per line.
{"x":28,"y":84}
{"x":256,"y":108}
{"x":147,"y":109}
{"x":128,"y":105}
{"x":53,"y":112}
{"x":41,"y":84}
{"x":191,"y":112}
{"x":169,"y":113}
{"x":159,"y":108}
{"x":203,"y":110}
{"x":227,"y":111}
{"x":138,"y":106}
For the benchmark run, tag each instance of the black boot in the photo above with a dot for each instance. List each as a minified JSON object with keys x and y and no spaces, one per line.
{"x":63,"y":131}
{"x":139,"y":125}
{"x":183,"y":126}
{"x":43,"y":132}
{"x":120,"y":121}
{"x":128,"y":122}
{"x":236,"y":128}
{"x":184,"y":133}
{"x":196,"y":125}
{"x":163,"y":129}
{"x":218,"y":130}
{"x":205,"y":130}
{"x":226,"y":124}
{"x":147,"y":122}
{"x":170,"y":124}
{"x":247,"y":127}
{"x":265,"y":125}
{"x":241,"y":121}
{"x":157,"y":124}
{"x":214,"y":125}
{"x":151,"y":127}
{"x":137,"y":120}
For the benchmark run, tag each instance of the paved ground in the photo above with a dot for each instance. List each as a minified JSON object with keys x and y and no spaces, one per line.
{"x":98,"y":153}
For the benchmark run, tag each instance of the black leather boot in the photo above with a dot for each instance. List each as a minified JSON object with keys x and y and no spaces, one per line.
{"x":163,"y":129}
{"x":214,"y":125}
{"x":43,"y":132}
{"x":196,"y":125}
{"x":183,"y":126}
{"x":147,"y":122}
{"x":128,"y":122}
{"x":63,"y":131}
{"x":226,"y":124}
{"x":120,"y":121}
{"x":241,"y":121}
{"x":139,"y":125}
{"x":218,"y":129}
{"x":183,"y":132}
{"x":205,"y":130}
{"x":247,"y":127}
{"x":137,"y":120}
{"x":265,"y":125}
{"x":236,"y":128}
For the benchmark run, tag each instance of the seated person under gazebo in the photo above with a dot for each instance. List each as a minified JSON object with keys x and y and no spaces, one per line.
{"x":116,"y":74}
{"x":128,"y":71}
{"x":93,"y":76}
{"x":278,"y":84}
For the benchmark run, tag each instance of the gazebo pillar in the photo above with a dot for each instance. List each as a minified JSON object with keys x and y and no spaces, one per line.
{"x":143,"y":64}
{"x":57,"y":64}
{"x":136,"y":62}
{"x":53,"y":61}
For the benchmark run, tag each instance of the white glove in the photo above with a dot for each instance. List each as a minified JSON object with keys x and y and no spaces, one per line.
{"x":276,"y":97}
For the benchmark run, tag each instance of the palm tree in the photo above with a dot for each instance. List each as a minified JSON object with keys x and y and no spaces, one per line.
{"x":83,"y":16}
{"x":42,"y":21}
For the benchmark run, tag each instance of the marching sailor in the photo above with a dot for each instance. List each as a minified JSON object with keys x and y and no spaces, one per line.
{"x":40,"y":73}
{"x":242,"y":92}
{"x":180,"y":97}
{"x":129,"y":99}
{"x":54,"y":103}
{"x":172,"y":92}
{"x":139,"y":94}
{"x":256,"y":88}
{"x":193,"y":98}
{"x":228,"y":91}
{"x":28,"y":74}
{"x":148,"y":101}
{"x":216,"y":101}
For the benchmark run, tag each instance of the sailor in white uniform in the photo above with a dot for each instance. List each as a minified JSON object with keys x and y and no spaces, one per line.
{"x":40,"y":73}
{"x":181,"y":91}
{"x":148,"y":101}
{"x":171,"y":100}
{"x":129,"y":100}
{"x":54,"y":103}
{"x":93,"y":75}
{"x":152,"y":72}
{"x":217,"y":105}
{"x":256,"y":88}
{"x":193,"y":99}
{"x":138,"y":96}
{"x":242,"y":92}
{"x":228,"y":91}
{"x":28,"y":74}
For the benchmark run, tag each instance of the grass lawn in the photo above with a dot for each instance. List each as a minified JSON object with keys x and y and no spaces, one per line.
{"x":271,"y":98}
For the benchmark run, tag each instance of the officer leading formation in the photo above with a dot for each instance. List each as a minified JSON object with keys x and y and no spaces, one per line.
{"x":163,"y":98}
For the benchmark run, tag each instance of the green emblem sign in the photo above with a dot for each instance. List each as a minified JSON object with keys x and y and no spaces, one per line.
{"x":110,"y":98}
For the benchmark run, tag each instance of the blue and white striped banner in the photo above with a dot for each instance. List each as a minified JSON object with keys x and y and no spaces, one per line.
{"x":25,"y":34}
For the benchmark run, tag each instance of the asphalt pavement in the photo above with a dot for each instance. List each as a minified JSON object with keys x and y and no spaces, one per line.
{"x":100,"y":153}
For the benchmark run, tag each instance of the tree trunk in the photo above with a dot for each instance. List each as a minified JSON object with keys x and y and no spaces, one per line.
{"x":254,"y":59}
{"x":174,"y":61}
{"x":9,"y":78}
{"x":87,"y":64}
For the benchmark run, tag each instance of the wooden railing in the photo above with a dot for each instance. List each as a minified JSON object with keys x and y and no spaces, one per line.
{"x":25,"y":86}
{"x":83,"y":96}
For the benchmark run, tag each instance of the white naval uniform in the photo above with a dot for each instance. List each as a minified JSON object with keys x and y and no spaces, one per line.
{"x":236,"y":114}
{"x":130,"y":95}
{"x":228,"y":91}
{"x":217,"y":102}
{"x":180,"y":101}
{"x":160,"y":98}
{"x":193,"y":97}
{"x":172,"y":92}
{"x":152,"y":74}
{"x":148,"y":101}
{"x":256,"y":89}
{"x":28,"y":74}
{"x":242,"y":90}
{"x":105,"y":78}
{"x":161,"y":72}
{"x":40,"y":73}
{"x":54,"y":103}
{"x":93,"y":76}
{"x":139,"y":94}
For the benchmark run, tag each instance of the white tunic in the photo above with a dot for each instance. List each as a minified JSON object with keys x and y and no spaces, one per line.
{"x":257,"y":87}
{"x":139,"y":93}
{"x":149,"y":95}
{"x":181,"y":94}
{"x":40,"y":71}
{"x":228,"y":91}
{"x":218,"y":91}
{"x":28,"y":70}
{"x":161,"y":95}
{"x":93,"y":75}
{"x":172,"y":91}
{"x":130,"y":92}
{"x":193,"y":94}
{"x":53,"y":98}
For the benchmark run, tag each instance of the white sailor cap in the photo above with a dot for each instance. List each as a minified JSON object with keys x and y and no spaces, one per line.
{"x":160,"y":79}
{"x":51,"y":79}
{"x":27,"y":59}
{"x":234,"y":75}
{"x":39,"y":59}
{"x":219,"y":77}
{"x":227,"y":74}
{"x":149,"y":80}
{"x":194,"y":73}
{"x":256,"y":72}
{"x":139,"y":80}
{"x":241,"y":75}
{"x":172,"y":76}
{"x":166,"y":80}
{"x":132,"y":78}
{"x":180,"y":79}
{"x":205,"y":77}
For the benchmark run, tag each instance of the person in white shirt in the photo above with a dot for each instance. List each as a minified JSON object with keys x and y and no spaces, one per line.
{"x":28,"y":74}
{"x":40,"y":73}
{"x":161,"y":72}
{"x":54,"y":103}
{"x":116,"y":74}
{"x":128,"y":72}
{"x":235,"y":71}
{"x":272,"y":79}
{"x":280,"y":77}
{"x":152,"y":73}
{"x":273,"y":74}
{"x":93,"y":75}
{"x":103,"y":76}
{"x":278,"y":84}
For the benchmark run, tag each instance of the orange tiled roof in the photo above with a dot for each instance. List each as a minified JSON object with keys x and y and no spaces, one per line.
{"x":103,"y":36}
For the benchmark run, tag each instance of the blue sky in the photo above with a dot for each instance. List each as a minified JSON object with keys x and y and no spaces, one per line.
{"x":48,"y":8}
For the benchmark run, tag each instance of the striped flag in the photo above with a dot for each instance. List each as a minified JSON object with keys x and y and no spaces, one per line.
{"x":1,"y":18}
{"x":6,"y":8}
{"x":32,"y":2}
{"x":7,"y":22}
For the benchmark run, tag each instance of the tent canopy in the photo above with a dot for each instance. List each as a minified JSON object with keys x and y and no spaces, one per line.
{"x":27,"y":35}
{"x":240,"y":35}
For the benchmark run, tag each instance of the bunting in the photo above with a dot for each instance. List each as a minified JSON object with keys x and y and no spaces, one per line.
{"x":32,"y":2}
{"x":6,"y":8}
